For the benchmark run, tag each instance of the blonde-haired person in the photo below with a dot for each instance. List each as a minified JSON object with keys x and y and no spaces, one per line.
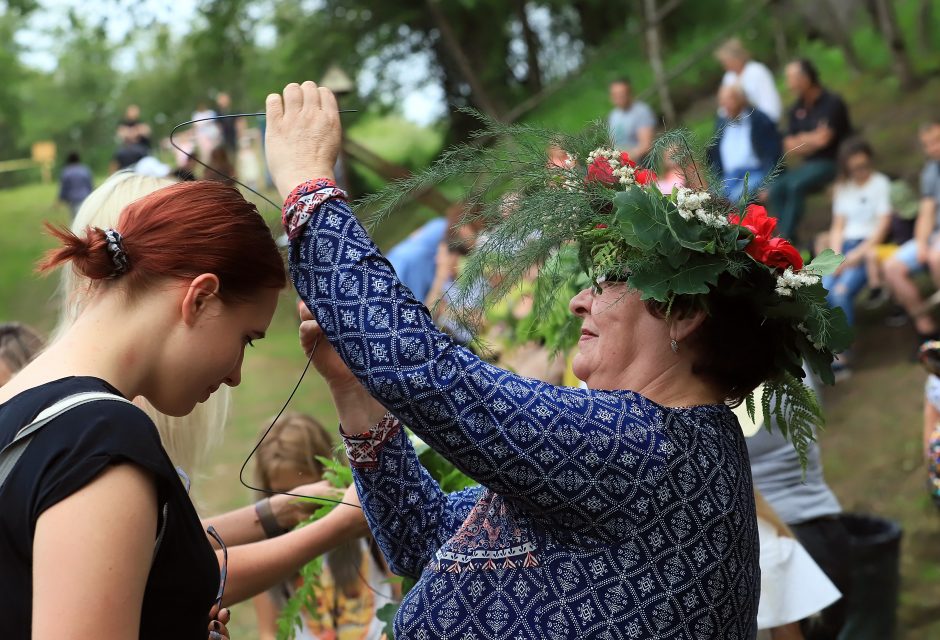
{"x":755,"y":78}
{"x":354,"y":583}
{"x":188,"y":439}
{"x":793,"y":587}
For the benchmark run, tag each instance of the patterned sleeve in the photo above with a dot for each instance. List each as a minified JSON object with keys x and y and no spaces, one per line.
{"x":549,"y":449}
{"x":408,"y":513}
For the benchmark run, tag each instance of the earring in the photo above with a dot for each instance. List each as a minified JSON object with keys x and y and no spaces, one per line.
{"x":674,"y":345}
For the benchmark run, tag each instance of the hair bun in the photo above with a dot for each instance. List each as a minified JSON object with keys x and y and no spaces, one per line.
{"x":90,"y":255}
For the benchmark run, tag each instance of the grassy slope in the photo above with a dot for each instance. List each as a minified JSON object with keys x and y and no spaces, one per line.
{"x":871,"y":449}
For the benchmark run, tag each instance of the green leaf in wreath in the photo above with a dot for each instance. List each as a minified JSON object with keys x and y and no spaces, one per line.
{"x":660,"y":281}
{"x":690,"y":234}
{"x":825,"y":263}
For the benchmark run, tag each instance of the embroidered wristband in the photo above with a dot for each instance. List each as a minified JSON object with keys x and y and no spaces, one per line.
{"x":363,"y":449}
{"x":304,"y":200}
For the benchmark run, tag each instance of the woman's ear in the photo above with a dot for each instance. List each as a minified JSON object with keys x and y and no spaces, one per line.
{"x":202,"y":290}
{"x":683,"y":326}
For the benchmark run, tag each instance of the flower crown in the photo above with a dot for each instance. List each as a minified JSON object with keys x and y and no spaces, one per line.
{"x":669,"y":245}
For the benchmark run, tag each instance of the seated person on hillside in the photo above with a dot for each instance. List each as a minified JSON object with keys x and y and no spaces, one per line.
{"x":631,"y":122}
{"x":861,"y":219}
{"x":915,"y":255}
{"x":930,"y":358}
{"x":904,"y":208}
{"x":755,"y":79}
{"x":818,"y":123}
{"x":413,"y":257}
{"x":747,"y":144}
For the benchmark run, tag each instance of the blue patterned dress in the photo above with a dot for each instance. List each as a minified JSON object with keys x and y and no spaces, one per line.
{"x":601,"y":513}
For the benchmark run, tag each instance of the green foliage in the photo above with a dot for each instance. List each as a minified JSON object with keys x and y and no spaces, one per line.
{"x":304,"y":599}
{"x":791,"y":405}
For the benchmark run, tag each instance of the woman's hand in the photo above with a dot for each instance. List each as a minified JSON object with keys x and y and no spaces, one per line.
{"x":357,"y":410}
{"x":217,"y":621}
{"x":325,"y":359}
{"x":303,"y":135}
{"x":290,"y":511}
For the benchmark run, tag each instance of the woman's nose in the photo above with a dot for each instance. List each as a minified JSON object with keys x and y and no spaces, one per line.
{"x":580,"y":304}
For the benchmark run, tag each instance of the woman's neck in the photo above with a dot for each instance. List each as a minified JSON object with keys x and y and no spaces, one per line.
{"x":104,"y":342}
{"x":673,"y":386}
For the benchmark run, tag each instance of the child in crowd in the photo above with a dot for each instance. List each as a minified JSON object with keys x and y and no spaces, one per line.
{"x":930,"y":358}
{"x":354,"y":583}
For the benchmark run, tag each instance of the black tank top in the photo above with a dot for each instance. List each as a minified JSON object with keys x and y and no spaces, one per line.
{"x":64,"y":456}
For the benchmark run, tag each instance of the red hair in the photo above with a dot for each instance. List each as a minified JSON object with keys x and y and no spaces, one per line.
{"x":182,"y":231}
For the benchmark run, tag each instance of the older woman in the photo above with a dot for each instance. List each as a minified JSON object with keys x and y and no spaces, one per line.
{"x":620,"y":511}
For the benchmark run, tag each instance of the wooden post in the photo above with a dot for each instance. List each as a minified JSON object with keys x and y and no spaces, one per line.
{"x":428,"y":196}
{"x":651,"y":19}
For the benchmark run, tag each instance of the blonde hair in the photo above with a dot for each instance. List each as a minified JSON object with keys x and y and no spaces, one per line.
{"x":733,"y":48}
{"x":188,"y":439}
{"x":292,"y":445}
{"x":766,"y":512}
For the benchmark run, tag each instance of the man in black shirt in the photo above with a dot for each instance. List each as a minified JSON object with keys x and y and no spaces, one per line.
{"x":818,"y":123}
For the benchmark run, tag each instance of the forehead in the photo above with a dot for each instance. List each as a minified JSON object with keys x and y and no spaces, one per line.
{"x":259,"y":309}
{"x":286,"y":478}
{"x":931,"y":132}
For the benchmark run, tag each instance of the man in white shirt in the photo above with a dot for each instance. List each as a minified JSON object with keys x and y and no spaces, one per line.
{"x":631,"y":122}
{"x":755,"y":78}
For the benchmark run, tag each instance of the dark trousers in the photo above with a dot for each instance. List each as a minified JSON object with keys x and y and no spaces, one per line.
{"x":827,"y":541}
{"x":787,"y":197}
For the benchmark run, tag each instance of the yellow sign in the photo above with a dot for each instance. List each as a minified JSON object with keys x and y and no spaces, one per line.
{"x":44,"y":152}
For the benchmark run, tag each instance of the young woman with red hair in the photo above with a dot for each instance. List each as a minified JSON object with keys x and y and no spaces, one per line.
{"x":99,"y":538}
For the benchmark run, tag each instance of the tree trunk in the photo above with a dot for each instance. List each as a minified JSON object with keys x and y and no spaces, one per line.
{"x":452,"y":45}
{"x":885,"y":18}
{"x":925,"y":26}
{"x":839,"y":34}
{"x":778,"y":25}
{"x":655,"y":55}
{"x":534,"y":77}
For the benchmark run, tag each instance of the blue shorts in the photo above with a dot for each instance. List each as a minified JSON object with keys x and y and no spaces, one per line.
{"x":907,"y":254}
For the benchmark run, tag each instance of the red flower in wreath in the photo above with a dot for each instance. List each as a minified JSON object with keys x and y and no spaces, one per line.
{"x":645,"y":176}
{"x":601,"y":171}
{"x":625,"y":160}
{"x":766,"y":249}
